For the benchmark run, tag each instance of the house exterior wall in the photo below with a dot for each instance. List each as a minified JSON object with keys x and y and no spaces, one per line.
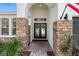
{"x":55,"y":37}
{"x":68,"y":10}
{"x":7,"y":15}
{"x":53,"y":15}
{"x":21,"y":9}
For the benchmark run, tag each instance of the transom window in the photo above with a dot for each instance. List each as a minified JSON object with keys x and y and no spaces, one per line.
{"x":7,"y":26}
{"x":40,"y":19}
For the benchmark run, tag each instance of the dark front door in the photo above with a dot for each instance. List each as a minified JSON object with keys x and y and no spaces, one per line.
{"x":40,"y":30}
{"x":75,"y":33}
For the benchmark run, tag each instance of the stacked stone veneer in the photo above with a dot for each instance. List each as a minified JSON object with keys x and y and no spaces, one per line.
{"x":22,"y":32}
{"x":61,"y":29}
{"x":4,"y":39}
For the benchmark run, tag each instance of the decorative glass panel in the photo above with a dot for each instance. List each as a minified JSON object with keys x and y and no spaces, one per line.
{"x":37,"y":32}
{"x":5,"y":26}
{"x":43,"y":30}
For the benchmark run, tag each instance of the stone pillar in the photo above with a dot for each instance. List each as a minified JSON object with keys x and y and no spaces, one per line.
{"x":22,"y":32}
{"x":61,"y":29}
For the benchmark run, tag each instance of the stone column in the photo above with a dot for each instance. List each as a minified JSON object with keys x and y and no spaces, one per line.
{"x":61,"y":29}
{"x":22,"y":32}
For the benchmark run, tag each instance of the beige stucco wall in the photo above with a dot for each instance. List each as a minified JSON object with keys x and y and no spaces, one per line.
{"x":53,"y":16}
{"x":7,"y":15}
{"x":39,"y":12}
{"x":68,"y":10}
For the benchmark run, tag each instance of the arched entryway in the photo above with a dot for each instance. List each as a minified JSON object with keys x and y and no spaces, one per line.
{"x":45,"y":11}
{"x":39,"y":14}
{"x":39,"y":21}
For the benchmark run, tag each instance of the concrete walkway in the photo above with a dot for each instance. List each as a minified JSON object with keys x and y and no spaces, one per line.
{"x":39,"y":48}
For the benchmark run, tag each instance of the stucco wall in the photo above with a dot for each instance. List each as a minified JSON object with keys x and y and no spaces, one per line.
{"x":7,"y":15}
{"x":52,"y":17}
{"x":21,"y":9}
{"x":68,"y":10}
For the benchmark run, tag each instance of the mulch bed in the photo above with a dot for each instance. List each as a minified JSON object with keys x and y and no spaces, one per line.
{"x":50,"y":53}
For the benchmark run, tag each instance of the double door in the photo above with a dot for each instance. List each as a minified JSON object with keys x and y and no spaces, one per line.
{"x":40,"y":30}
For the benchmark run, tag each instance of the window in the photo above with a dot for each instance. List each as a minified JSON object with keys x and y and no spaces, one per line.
{"x":40,"y":19}
{"x":5,"y":26}
{"x":13,"y":26}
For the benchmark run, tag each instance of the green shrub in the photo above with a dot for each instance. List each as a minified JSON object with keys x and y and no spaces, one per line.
{"x":11,"y":48}
{"x":75,"y":52}
{"x":65,"y":47}
{"x":1,"y":48}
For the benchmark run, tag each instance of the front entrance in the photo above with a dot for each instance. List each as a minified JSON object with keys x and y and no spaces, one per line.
{"x":40,"y":30}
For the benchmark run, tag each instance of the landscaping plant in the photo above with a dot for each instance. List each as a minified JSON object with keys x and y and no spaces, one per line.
{"x":66,"y":46}
{"x":11,"y":48}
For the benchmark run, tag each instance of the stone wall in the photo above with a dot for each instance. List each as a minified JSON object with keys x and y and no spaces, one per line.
{"x":4,"y":39}
{"x":22,"y":32}
{"x":61,"y":29}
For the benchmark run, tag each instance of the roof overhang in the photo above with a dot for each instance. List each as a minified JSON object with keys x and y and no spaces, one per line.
{"x":8,"y":12}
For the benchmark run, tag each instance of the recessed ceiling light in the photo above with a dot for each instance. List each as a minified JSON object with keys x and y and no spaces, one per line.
{"x":40,"y":4}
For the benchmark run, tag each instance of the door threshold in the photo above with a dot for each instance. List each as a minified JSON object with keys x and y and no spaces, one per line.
{"x":40,"y":39}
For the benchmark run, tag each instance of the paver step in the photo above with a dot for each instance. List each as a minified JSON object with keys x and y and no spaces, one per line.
{"x":38,"y":53}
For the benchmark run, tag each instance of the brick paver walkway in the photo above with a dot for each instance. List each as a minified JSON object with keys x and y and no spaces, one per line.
{"x":39,"y":48}
{"x":38,"y":53}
